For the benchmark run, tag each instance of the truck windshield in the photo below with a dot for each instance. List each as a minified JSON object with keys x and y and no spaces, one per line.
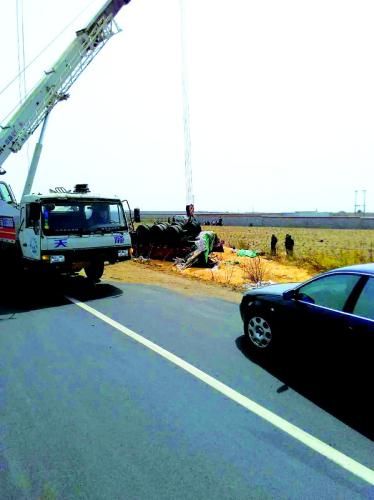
{"x":78,"y":217}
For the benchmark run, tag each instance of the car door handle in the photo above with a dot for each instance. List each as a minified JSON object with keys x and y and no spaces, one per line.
{"x":25,"y":245}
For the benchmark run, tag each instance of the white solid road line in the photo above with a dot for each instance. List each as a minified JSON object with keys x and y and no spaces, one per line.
{"x":315,"y":444}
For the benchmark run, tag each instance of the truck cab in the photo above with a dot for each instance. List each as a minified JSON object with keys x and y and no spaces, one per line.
{"x":68,"y":232}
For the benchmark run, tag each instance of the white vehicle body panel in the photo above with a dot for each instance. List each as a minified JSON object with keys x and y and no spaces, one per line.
{"x":85,"y":242}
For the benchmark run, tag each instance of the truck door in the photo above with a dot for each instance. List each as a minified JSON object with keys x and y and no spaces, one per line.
{"x":29,"y":233}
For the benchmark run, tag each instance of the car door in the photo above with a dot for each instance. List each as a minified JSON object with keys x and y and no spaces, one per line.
{"x":320,"y":309}
{"x":360,"y":325}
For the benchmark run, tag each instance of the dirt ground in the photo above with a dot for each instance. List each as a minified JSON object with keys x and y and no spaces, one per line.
{"x":226,"y":281}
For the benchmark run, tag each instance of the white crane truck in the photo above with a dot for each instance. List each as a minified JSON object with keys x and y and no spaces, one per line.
{"x":65,"y":231}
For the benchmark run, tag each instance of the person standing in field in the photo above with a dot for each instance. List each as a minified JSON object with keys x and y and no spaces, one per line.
{"x":289,"y":244}
{"x":273,"y":244}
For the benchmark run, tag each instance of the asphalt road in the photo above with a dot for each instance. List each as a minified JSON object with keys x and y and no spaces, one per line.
{"x":87,"y":411}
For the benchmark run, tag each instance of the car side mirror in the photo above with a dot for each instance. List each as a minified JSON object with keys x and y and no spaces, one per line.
{"x":290,"y":294}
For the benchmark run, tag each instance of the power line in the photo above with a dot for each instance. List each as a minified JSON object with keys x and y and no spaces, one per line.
{"x":20,"y":50}
{"x":21,"y":56}
{"x":45,"y":48}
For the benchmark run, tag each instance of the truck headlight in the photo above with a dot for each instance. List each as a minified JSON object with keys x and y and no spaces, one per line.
{"x":123,"y":253}
{"x":57,"y":259}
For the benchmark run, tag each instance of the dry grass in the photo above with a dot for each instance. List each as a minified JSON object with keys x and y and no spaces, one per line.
{"x":226,"y":281}
{"x":255,"y":270}
{"x":235,"y":271}
{"x":315,"y":249}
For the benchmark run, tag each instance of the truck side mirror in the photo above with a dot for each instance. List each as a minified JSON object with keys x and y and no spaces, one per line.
{"x":137,"y":215}
{"x":34,"y":212}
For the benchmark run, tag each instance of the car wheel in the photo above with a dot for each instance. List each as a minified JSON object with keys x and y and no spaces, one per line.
{"x":260,"y":332}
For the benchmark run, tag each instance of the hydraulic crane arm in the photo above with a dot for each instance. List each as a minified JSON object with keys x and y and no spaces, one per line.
{"x":56,"y":82}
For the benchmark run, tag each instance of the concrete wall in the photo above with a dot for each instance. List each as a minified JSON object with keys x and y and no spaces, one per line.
{"x":273,"y":220}
{"x":316,"y":222}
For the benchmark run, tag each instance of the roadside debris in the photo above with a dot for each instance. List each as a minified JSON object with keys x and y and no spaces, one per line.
{"x":247,"y":253}
{"x":205,"y":243}
{"x":141,"y":259}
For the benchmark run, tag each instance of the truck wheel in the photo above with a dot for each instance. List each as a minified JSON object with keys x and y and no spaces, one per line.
{"x":94,"y":270}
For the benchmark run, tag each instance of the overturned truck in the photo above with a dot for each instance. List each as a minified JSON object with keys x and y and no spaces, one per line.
{"x":182,"y":242}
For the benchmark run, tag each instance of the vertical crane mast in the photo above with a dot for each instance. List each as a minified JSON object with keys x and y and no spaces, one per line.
{"x":56,"y":82}
{"x":186,"y":112}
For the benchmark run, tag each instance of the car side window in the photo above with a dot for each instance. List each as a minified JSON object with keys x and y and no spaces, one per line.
{"x":365,"y":304}
{"x":329,"y":291}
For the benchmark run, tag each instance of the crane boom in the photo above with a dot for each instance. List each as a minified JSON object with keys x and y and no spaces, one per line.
{"x":55,"y":84}
{"x":45,"y":232}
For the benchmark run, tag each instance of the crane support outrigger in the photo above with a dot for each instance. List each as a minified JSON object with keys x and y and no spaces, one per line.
{"x":63,"y":230}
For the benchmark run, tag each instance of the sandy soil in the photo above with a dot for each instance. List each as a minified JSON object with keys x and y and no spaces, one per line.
{"x":227,"y":281}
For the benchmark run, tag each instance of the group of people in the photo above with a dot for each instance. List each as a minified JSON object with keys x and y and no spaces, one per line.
{"x":288,"y":244}
{"x":215,"y":222}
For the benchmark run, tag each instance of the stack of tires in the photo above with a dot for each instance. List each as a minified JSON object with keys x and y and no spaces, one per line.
{"x":167,"y":235}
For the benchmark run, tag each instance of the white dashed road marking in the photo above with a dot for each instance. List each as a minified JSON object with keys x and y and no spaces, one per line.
{"x":307,"y":439}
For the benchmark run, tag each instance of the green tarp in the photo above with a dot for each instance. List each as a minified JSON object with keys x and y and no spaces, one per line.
{"x":246,"y":253}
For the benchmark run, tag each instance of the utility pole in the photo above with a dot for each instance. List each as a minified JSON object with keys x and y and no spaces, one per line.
{"x":362,"y":205}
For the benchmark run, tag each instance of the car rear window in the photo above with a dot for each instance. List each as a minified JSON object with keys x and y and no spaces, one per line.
{"x":365,"y":304}
{"x":329,"y":291}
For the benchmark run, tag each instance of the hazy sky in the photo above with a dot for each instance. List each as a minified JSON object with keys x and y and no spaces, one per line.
{"x":281,"y":97}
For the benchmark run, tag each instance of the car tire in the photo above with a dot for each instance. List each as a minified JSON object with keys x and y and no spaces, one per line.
{"x":260,"y":332}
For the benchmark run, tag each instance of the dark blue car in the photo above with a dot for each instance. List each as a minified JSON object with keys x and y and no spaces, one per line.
{"x":331,"y":313}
